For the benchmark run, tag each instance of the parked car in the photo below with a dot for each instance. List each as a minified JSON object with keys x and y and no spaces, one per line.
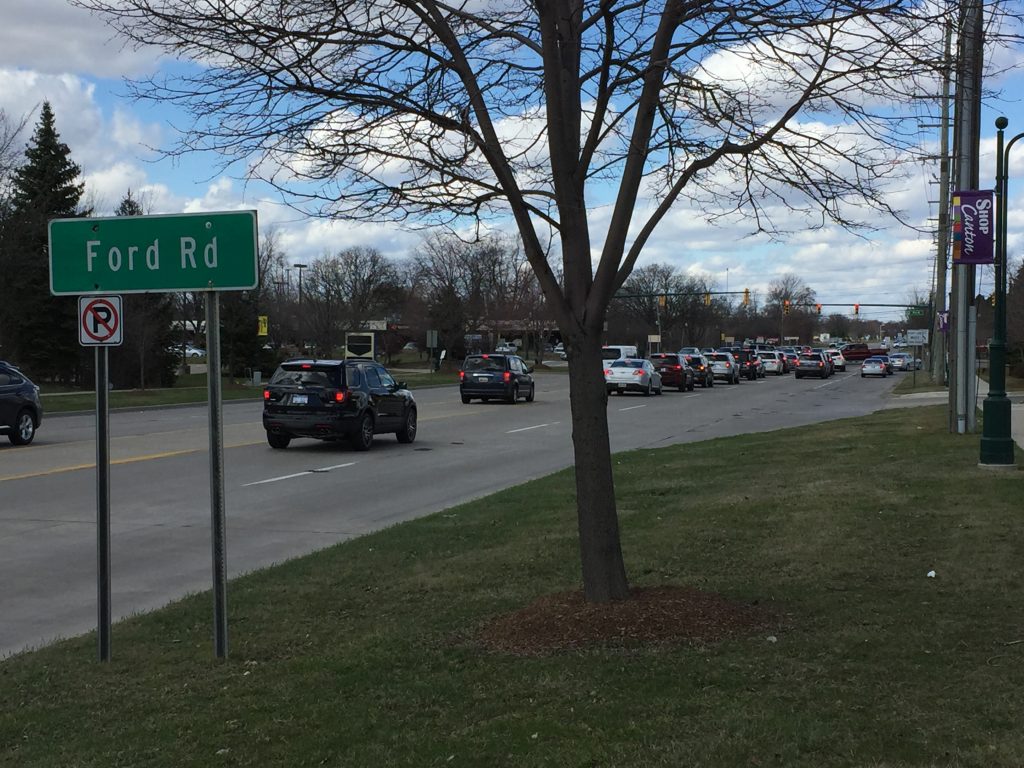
{"x":506,"y":348}
{"x":702,"y":372}
{"x":674,"y":371}
{"x":873,"y":366}
{"x":496,"y":377}
{"x":632,"y":375}
{"x":904,"y":361}
{"x":838,"y":361}
{"x":723,"y":366}
{"x":352,"y":399}
{"x":21,"y":410}
{"x":812,"y":364}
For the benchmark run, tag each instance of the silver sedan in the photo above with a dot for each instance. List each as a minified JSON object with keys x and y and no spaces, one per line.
{"x":632,"y":375}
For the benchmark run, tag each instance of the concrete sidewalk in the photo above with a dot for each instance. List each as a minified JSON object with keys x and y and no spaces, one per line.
{"x":935,"y":398}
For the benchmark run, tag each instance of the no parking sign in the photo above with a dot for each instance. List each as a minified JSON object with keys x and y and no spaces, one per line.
{"x":99,"y":321}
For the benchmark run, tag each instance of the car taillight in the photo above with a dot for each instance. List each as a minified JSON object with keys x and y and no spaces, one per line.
{"x":506,"y":377}
{"x":266,"y":394}
{"x":679,"y":367}
{"x":821,"y":364}
{"x":607,"y":371}
{"x":339,"y":397}
{"x":728,"y":365}
{"x":462,"y":375}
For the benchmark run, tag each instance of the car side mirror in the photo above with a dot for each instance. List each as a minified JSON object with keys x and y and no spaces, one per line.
{"x":400,"y":385}
{"x":529,"y":369}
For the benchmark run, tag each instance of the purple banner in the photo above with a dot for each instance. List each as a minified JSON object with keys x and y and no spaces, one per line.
{"x":974,"y":225}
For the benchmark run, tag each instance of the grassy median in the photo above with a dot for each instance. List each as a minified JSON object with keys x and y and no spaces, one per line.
{"x":367,"y":654}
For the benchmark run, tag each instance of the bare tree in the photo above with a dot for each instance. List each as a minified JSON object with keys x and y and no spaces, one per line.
{"x":428,"y":112}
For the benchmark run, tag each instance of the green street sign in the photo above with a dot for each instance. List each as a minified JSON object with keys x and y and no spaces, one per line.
{"x":915,"y":312}
{"x":154,"y":254}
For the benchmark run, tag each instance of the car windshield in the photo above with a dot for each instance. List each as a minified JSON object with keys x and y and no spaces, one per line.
{"x":628,"y":364}
{"x":484,"y":363}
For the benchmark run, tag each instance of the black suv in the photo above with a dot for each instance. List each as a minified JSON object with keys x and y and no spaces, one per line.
{"x":746,"y":359}
{"x":498,"y":377}
{"x":333,"y":399}
{"x":21,"y":410}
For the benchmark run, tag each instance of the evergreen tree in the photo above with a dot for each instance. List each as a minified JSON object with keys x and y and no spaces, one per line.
{"x":147,"y":356}
{"x":40,"y":330}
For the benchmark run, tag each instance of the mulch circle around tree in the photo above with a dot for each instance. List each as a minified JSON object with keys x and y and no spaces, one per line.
{"x":653,"y":617}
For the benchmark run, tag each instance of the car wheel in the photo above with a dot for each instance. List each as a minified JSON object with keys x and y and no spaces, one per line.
{"x":465,"y":399}
{"x":649,"y":390}
{"x":658,"y":391}
{"x":280,"y":442}
{"x":408,"y":431}
{"x":682,"y":386}
{"x":362,"y":438}
{"x":514,"y":394}
{"x":693,"y":385}
{"x":530,"y":395}
{"x":799,"y":376}
{"x":24,"y":429}
{"x":863,"y":375}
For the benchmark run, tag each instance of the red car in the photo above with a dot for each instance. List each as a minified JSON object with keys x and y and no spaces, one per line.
{"x":674,"y":370}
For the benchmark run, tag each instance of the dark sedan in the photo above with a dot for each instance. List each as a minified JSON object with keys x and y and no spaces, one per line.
{"x":496,"y":377}
{"x":21,"y":410}
{"x":702,"y":372}
{"x":674,"y":371}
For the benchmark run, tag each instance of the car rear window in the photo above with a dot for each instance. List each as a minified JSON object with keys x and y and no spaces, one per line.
{"x":720,"y":358}
{"x":484,"y":363}
{"x":628,"y":364}
{"x":306,"y":375}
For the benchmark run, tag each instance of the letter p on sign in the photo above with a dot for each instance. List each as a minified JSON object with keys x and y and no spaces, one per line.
{"x":99,"y":321}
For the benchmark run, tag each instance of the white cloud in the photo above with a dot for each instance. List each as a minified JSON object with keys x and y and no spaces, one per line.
{"x":53,"y":37}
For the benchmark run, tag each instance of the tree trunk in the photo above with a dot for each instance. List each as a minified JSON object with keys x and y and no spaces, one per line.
{"x":604,"y":573}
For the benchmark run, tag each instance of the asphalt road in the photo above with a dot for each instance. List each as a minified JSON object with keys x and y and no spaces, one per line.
{"x":281,"y":504}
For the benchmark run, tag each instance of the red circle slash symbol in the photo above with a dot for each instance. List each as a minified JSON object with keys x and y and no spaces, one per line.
{"x":100,"y":320}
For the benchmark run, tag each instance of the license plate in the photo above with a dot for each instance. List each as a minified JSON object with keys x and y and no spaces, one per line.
{"x":622,"y":386}
{"x":300,"y":399}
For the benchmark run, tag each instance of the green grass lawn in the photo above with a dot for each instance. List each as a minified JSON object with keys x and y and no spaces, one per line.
{"x":364,"y":654}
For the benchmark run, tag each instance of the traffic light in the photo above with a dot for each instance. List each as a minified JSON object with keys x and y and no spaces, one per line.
{"x":746,"y":296}
{"x":992,"y":299}
{"x":785,"y":307}
{"x":707,"y":299}
{"x":817,"y":308}
{"x":856,"y":309}
{"x":662,"y":300}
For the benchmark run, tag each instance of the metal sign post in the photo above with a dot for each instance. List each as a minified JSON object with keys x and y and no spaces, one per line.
{"x":100,"y":326}
{"x":218,"y":536}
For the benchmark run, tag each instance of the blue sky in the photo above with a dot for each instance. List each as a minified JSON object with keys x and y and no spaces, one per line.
{"x":52,"y":51}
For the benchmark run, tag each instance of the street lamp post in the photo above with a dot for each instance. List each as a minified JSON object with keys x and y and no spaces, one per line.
{"x":302,"y":323}
{"x":996,"y":442}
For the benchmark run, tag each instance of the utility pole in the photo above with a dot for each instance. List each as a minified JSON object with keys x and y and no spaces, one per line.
{"x":967,"y":137}
{"x":939,"y":300}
